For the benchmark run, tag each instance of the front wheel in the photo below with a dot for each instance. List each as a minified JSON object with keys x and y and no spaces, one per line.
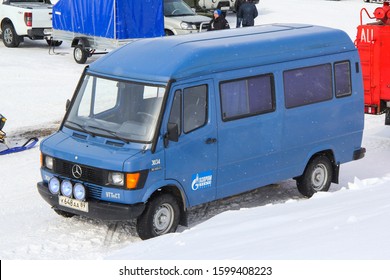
{"x":317,"y":176}
{"x":168,"y":32}
{"x":161,"y":216}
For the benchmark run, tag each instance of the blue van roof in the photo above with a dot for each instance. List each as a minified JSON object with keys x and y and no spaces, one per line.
{"x":176,"y":57}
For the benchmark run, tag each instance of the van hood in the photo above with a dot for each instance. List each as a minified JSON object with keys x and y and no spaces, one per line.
{"x":92,"y":151}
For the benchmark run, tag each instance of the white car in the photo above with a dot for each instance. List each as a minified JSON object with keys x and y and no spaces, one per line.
{"x":26,"y":18}
{"x":180,"y":19}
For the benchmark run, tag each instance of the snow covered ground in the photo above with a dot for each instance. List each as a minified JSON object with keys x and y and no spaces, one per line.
{"x":350,"y":222}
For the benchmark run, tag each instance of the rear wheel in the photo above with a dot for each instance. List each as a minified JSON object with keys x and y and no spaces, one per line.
{"x":161,"y":216}
{"x":10,"y":38}
{"x":317,"y":176}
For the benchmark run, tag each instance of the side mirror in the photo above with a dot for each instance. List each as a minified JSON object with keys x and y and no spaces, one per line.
{"x":67,"y":105}
{"x":172,"y":134}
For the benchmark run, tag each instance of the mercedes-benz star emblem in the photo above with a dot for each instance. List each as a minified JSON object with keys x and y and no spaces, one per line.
{"x":77,"y":171}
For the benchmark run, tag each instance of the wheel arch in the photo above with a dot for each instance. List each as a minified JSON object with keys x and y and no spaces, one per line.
{"x":176,"y":191}
{"x":170,"y":32}
{"x":80,"y":41}
{"x":5,"y":21}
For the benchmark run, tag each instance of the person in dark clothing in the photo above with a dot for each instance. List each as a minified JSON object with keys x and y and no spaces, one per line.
{"x":218,"y":22}
{"x":237,"y":5}
{"x":248,"y":13}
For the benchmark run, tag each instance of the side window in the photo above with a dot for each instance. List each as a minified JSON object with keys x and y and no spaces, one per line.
{"x":194,"y":107}
{"x":307,"y":85}
{"x":247,"y":97}
{"x":175,"y":116}
{"x":342,"y":77}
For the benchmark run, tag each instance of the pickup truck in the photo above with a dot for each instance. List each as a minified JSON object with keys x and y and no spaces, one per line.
{"x":26,"y":18}
{"x":210,"y":5}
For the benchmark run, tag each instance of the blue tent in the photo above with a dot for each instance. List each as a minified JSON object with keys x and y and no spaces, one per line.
{"x":114,"y":19}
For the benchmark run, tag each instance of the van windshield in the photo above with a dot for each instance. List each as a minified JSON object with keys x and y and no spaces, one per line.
{"x":121,"y":110}
{"x":175,"y":8}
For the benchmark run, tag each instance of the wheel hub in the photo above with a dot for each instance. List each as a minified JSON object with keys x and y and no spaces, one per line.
{"x":319,"y":177}
{"x":78,"y":54}
{"x":7,"y":36}
{"x":163,"y":219}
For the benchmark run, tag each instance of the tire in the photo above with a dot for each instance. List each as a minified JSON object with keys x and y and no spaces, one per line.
{"x":53,"y":43}
{"x":317,"y":176}
{"x":168,"y":32}
{"x":63,"y":213}
{"x":387,"y":116}
{"x":161,"y":216}
{"x":80,"y":54}
{"x":10,"y":38}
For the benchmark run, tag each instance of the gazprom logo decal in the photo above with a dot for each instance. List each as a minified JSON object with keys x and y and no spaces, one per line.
{"x":202,"y":180}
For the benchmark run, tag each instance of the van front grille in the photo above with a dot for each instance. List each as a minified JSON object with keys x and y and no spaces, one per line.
{"x":88,"y":174}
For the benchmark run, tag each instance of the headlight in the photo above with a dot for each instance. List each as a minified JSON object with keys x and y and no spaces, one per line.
{"x":66,"y":188}
{"x":186,"y":25}
{"x":49,"y":162}
{"x":54,"y":185}
{"x":79,"y":191}
{"x":116,"y":178}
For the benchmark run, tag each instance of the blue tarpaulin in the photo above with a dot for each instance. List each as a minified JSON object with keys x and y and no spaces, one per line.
{"x":114,"y":19}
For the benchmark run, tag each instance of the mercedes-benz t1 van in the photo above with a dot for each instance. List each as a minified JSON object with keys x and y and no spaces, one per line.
{"x":164,"y":124}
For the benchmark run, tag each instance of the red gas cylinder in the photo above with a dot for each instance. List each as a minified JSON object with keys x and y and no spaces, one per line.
{"x":383,"y":13}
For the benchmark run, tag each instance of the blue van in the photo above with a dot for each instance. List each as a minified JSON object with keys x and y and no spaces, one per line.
{"x":161,"y":125}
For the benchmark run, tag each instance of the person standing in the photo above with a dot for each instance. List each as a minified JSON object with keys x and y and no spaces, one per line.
{"x":218,"y":22}
{"x":248,"y":13}
{"x":237,"y":5}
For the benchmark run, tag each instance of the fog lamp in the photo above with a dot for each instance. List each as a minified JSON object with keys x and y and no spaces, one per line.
{"x":66,"y":188}
{"x":79,"y":191}
{"x":54,"y":185}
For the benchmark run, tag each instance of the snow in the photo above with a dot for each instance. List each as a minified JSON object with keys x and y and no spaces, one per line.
{"x":350,"y":222}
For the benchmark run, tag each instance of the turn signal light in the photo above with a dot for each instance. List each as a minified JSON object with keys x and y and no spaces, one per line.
{"x":132,"y":180}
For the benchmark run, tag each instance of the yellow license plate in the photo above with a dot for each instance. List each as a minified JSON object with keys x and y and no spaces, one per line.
{"x":73,"y":203}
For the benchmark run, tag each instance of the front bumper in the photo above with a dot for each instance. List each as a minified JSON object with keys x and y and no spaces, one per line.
{"x":99,"y":210}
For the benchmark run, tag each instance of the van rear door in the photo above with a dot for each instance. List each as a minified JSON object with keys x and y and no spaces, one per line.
{"x":192,"y":161}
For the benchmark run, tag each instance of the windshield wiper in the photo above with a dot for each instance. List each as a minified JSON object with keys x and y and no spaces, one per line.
{"x":82,"y":128}
{"x":112,"y":133}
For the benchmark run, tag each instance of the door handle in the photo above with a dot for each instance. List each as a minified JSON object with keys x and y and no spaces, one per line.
{"x":211,"y":140}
